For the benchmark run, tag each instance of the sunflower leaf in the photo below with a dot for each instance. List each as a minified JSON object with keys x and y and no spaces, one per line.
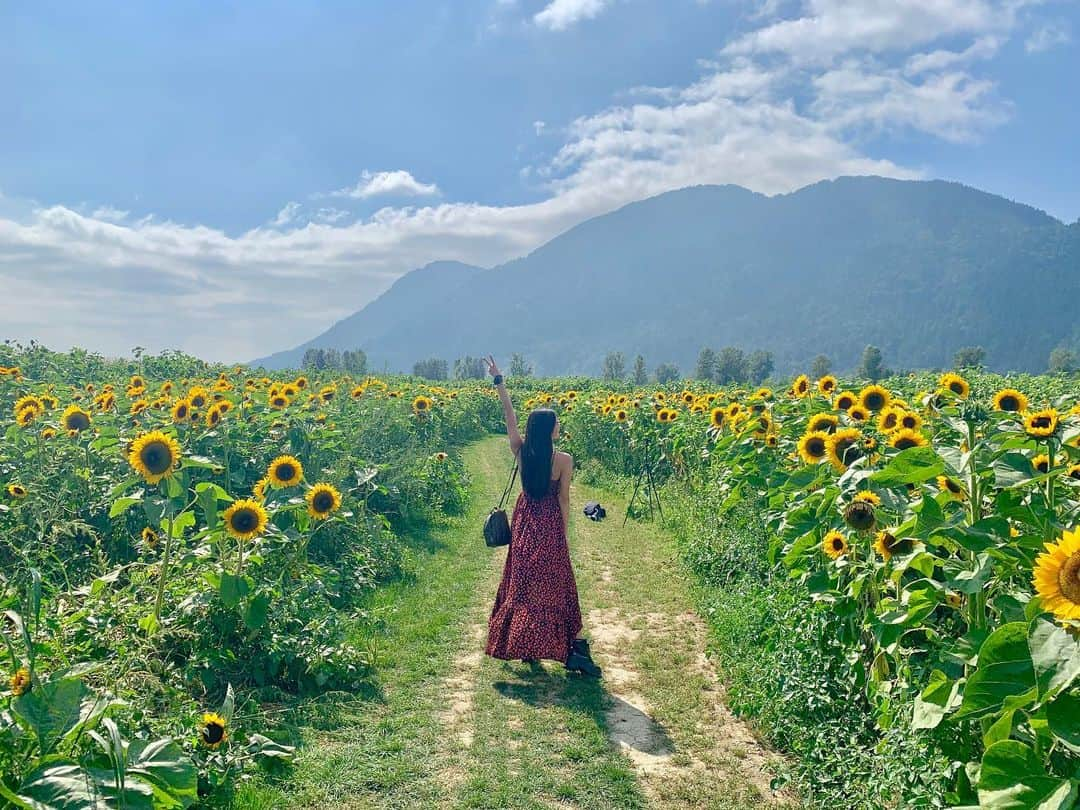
{"x":1005,"y":676}
{"x":911,"y":466}
{"x":1055,"y":656}
{"x":1013,"y":776}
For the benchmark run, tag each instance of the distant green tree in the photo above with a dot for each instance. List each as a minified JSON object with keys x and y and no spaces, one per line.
{"x":872,"y":367}
{"x":614,"y":366}
{"x":706,"y":365}
{"x":431,"y":369}
{"x":820,"y":367}
{"x":1062,"y":360}
{"x":731,"y":366}
{"x":322,"y":359}
{"x":667,"y":372}
{"x":641,"y":375}
{"x":469,"y":368}
{"x":970,"y":357}
{"x":355,"y":362}
{"x":759,"y":365}
{"x":519,"y":367}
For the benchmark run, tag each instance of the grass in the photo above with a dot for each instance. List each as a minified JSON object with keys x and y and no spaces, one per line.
{"x":444,"y":726}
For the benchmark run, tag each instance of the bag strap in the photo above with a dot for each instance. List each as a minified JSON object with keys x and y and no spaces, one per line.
{"x":509,"y":486}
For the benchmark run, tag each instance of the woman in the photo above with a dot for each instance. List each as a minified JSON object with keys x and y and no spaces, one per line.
{"x":536,"y":613}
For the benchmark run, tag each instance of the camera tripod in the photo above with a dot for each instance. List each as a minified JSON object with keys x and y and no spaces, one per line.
{"x":645,"y":482}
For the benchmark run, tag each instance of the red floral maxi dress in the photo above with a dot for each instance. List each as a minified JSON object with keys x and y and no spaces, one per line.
{"x":536,"y":613}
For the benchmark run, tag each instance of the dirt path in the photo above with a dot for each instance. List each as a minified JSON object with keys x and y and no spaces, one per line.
{"x":653,"y":733}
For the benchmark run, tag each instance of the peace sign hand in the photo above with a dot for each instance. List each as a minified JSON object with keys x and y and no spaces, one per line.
{"x":493,"y":369}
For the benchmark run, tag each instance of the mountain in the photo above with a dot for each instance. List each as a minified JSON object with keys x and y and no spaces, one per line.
{"x":917,"y":268}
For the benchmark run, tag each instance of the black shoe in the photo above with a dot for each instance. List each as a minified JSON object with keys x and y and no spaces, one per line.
{"x":581,"y":647}
{"x":583,"y":664}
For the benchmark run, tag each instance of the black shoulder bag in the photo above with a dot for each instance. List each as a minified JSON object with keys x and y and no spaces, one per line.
{"x":497,"y":525}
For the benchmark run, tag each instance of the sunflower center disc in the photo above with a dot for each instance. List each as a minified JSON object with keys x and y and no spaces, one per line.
{"x":157,"y":458}
{"x":286,"y":472}
{"x":1069,"y":578}
{"x":244,"y":521}
{"x":323,"y":502}
{"x":214,"y":733}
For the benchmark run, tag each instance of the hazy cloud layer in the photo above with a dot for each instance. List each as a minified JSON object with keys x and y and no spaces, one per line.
{"x":787,"y":104}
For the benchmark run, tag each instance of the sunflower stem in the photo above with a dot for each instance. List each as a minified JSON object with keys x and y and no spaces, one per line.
{"x":163,"y":575}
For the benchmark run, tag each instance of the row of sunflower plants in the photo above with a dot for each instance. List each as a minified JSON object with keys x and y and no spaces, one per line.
{"x":933,"y":520}
{"x":174,"y":538}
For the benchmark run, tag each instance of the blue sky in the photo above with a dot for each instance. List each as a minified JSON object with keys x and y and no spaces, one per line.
{"x":212,"y":161}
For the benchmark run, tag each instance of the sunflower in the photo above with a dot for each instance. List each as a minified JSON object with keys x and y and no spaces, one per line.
{"x":327,"y":392}
{"x":813,"y":446}
{"x":903,"y":439}
{"x":301,"y":383}
{"x":1041,"y":463}
{"x":16,"y":490}
{"x":822,"y":421}
{"x":322,"y":500}
{"x":887,"y":544}
{"x":844,"y":400}
{"x":889,"y":419}
{"x":357,"y":392}
{"x":26,"y":417}
{"x":910,"y":421}
{"x":801,"y":386}
{"x":954,"y":599}
{"x":421,"y":405}
{"x":150,"y":537}
{"x":259,"y":490}
{"x":279,"y":402}
{"x":213,"y":731}
{"x":138,"y":406}
{"x":716,"y":417}
{"x":48,"y":433}
{"x":827,"y":384}
{"x":245,"y":519}
{"x":672,"y":414}
{"x":835,"y":545}
{"x":954,"y":384}
{"x":948,"y":485}
{"x":213,"y":415}
{"x":874,"y":397}
{"x":20,"y":682}
{"x":284,"y":471}
{"x":198,"y":397}
{"x":843,"y":447}
{"x":1057,"y":576}
{"x":1074,"y":472}
{"x":1041,"y":424}
{"x":181,"y":411}
{"x":154,"y":456}
{"x":860,"y":516}
{"x":858,"y":413}
{"x":1010,"y":400}
{"x":866,"y":496}
{"x":29,"y":402}
{"x":441,"y":456}
{"x":621,"y":415}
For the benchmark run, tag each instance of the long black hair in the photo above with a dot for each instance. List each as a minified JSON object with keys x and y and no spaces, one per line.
{"x":537,"y":452}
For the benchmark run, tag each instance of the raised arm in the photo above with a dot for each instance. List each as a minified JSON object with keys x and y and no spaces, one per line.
{"x":508,"y":407}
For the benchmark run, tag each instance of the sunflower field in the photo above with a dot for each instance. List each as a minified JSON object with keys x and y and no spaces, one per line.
{"x":892,"y":571}
{"x":179,"y":547}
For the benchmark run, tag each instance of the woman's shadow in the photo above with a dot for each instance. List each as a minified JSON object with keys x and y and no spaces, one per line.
{"x":627,"y":726}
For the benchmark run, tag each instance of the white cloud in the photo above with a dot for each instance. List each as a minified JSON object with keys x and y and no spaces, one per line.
{"x":768,"y":120}
{"x":110,"y":214}
{"x":829,"y":28}
{"x":398,"y":183}
{"x":982,"y":48}
{"x":559,"y":15}
{"x":1047,"y":36}
{"x":287,"y":215}
{"x":538,"y":127}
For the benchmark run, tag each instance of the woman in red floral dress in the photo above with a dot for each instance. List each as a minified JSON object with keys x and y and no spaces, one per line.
{"x":536,"y":613}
